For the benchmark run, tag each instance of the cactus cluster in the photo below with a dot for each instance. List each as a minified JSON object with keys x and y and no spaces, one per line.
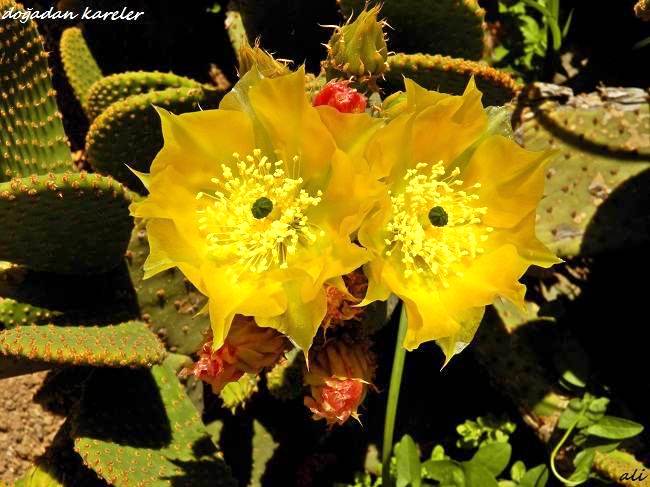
{"x":125,"y":129}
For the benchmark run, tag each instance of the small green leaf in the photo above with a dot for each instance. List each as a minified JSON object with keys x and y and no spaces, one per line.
{"x":493,"y":456}
{"x":583,"y":462}
{"x":447,"y":472}
{"x":409,"y":469}
{"x":517,"y":471}
{"x":614,"y":428}
{"x":535,"y":477}
{"x":476,"y":475}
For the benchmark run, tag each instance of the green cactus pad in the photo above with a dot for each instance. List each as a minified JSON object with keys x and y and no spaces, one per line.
{"x":139,"y":428}
{"x":235,"y":394}
{"x":32,"y":140}
{"x":596,"y":195}
{"x":448,"y":27}
{"x":79,"y":64}
{"x":449,"y":75}
{"x":117,"y":87}
{"x":128,"y":132}
{"x":168,"y":301}
{"x":67,"y":223}
{"x":29,"y":297}
{"x":14,"y":313}
{"x":129,"y":344}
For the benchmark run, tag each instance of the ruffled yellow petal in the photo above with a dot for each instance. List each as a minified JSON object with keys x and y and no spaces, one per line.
{"x":469,"y":322}
{"x":292,"y":124}
{"x":352,"y":131}
{"x":511,"y":179}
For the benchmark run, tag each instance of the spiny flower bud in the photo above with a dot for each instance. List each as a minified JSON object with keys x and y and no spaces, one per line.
{"x":341,"y":302}
{"x":248,"y":348}
{"x":254,"y":56}
{"x":340,"y":95}
{"x":338,"y":378}
{"x":359,"y":48}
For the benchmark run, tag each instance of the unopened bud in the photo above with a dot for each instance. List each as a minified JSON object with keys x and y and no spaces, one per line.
{"x":248,"y":348}
{"x":339,"y":377}
{"x":254,"y":56}
{"x":359,"y":48}
{"x":340,"y":95}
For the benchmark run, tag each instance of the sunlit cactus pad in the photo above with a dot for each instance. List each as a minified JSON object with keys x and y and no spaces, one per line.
{"x":128,"y":132}
{"x":79,"y":64}
{"x":116,"y":87}
{"x":450,"y":75}
{"x":72,"y":223}
{"x":139,"y":428}
{"x":32,"y":140}
{"x":129,"y":344}
{"x":596,"y":198}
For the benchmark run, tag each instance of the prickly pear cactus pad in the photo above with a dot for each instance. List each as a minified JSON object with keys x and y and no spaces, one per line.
{"x":80,"y":66}
{"x":32,"y":140}
{"x":72,"y":223}
{"x":450,"y":75}
{"x":168,"y":301}
{"x":156,"y":440}
{"x":599,"y":175}
{"x":128,"y":344}
{"x":116,"y":87}
{"x":128,"y":132}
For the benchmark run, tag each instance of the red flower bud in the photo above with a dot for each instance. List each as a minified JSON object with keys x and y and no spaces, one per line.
{"x":248,"y":348}
{"x":339,"y":95}
{"x":339,"y":377}
{"x":341,"y":302}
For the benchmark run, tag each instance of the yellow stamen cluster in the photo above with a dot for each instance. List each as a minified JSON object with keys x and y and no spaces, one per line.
{"x":234,"y":233}
{"x":422,"y":246}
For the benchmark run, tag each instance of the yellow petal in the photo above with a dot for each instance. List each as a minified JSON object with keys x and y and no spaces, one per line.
{"x":418,"y":97}
{"x":511,"y":178}
{"x":351,"y":131}
{"x":292,"y":124}
{"x":469,"y":321}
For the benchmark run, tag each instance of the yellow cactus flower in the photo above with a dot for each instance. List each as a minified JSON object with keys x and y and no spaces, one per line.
{"x":456,"y":226}
{"x":255,"y":203}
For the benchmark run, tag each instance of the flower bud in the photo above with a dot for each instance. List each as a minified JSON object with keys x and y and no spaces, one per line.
{"x":248,"y":348}
{"x":394,"y":105}
{"x":359,"y":48}
{"x":340,"y":95}
{"x":338,"y":378}
{"x":254,"y":56}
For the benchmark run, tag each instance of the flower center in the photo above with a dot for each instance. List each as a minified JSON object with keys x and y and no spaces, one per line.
{"x":258,"y":215}
{"x":435,"y":225}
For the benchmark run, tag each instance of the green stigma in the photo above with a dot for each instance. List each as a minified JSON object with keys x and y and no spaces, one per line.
{"x":262,"y":207}
{"x":438,"y":216}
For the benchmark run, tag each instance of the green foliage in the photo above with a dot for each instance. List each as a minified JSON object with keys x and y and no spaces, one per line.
{"x":599,"y":170}
{"x":483,"y":431}
{"x":32,"y":140}
{"x":483,"y":469}
{"x":79,"y":64}
{"x":596,"y":433}
{"x":168,"y":302}
{"x":448,"y":27}
{"x":128,"y":344}
{"x":534,"y":32}
{"x":158,"y":440}
{"x":127,"y":133}
{"x":110,"y":89}
{"x":449,"y":75}
{"x":73,"y":223}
